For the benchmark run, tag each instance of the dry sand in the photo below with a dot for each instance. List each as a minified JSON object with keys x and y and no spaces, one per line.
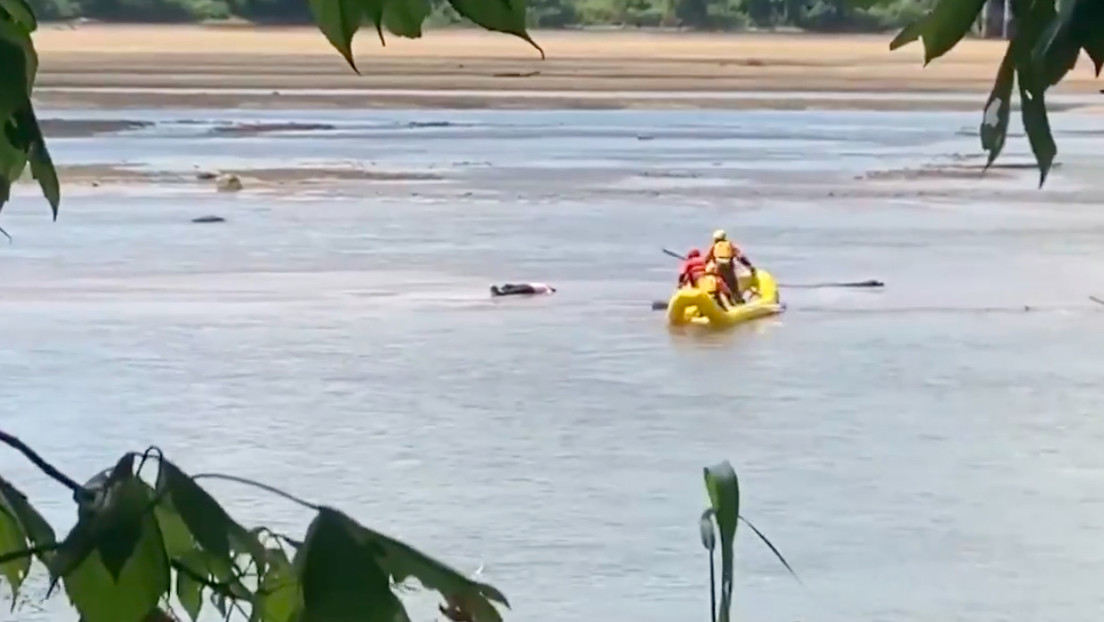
{"x":582,"y":69}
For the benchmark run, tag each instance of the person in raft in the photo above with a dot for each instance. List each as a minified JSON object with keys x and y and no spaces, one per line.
{"x":693,"y":268}
{"x":713,"y":283}
{"x":724,"y":253}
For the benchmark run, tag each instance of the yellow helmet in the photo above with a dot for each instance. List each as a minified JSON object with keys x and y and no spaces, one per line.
{"x":719,"y":235}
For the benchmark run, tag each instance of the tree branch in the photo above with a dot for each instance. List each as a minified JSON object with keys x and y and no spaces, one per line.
{"x":44,"y":466}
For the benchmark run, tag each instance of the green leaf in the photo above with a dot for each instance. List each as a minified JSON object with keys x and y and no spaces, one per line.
{"x":190,"y":594}
{"x":402,"y":561}
{"x":1033,"y":110}
{"x":12,"y":539}
{"x":708,"y":533}
{"x":1094,"y":47}
{"x":1035,"y":19}
{"x":279,"y":592}
{"x":907,"y":35}
{"x":22,"y":142}
{"x":178,"y":539}
{"x":116,"y":499}
{"x":507,"y":16}
{"x":404,"y":17}
{"x":208,"y":523}
{"x":21,"y":13}
{"x":16,"y":78}
{"x":941,"y":28}
{"x":339,"y":21}
{"x":98,"y":598}
{"x":1074,"y":26}
{"x":36,"y":529}
{"x":98,"y":593}
{"x":994,"y":122}
{"x":340,"y":578}
{"x":770,"y":545}
{"x":42,"y":168}
{"x":724,"y":496}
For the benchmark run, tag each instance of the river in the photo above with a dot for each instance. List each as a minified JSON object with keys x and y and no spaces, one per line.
{"x":926,"y":452}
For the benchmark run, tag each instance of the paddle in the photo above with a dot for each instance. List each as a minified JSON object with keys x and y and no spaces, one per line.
{"x":1092,"y":298}
{"x":866,"y":283}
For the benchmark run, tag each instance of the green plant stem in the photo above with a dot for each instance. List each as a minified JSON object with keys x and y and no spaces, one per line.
{"x":712,"y":587}
{"x":31,"y":552}
{"x":43,"y":466}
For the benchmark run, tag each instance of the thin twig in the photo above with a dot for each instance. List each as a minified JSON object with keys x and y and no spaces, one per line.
{"x":34,"y":551}
{"x":44,"y":466}
{"x":256,"y":484}
{"x":226,"y":589}
{"x":146,"y":455}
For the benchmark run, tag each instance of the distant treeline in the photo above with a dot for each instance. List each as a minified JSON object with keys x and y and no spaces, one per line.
{"x":821,"y":15}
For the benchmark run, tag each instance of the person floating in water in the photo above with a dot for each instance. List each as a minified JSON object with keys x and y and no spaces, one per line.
{"x":522,"y":289}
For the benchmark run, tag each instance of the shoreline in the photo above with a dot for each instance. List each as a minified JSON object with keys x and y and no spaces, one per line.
{"x":152,"y":66}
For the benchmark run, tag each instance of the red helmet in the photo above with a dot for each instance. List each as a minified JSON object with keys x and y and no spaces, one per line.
{"x":694,"y":253}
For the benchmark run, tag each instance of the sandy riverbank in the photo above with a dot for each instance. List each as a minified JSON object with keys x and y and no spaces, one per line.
{"x":451,"y":68}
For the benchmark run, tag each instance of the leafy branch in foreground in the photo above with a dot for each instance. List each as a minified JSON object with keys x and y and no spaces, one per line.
{"x":723,"y":515}
{"x":1048,"y":37}
{"x":21,"y":139}
{"x":138,"y":541}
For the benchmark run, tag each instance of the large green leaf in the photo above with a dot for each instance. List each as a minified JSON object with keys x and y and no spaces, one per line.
{"x":189,"y":591}
{"x":23,"y":142}
{"x":1037,"y":126}
{"x":404,"y":18}
{"x":144,"y":579}
{"x":724,"y":496}
{"x":207,"y":521}
{"x":994,"y":122}
{"x":37,"y":531}
{"x":340,"y":577}
{"x":1034,"y":78}
{"x":16,"y":77}
{"x":339,"y":21}
{"x":1075,"y":26}
{"x":507,"y":16}
{"x":178,"y":538}
{"x":42,"y":167}
{"x":12,"y":539}
{"x":401,"y":562}
{"x":279,"y":593}
{"x":941,"y":28}
{"x":20,"y":13}
{"x":210,"y":524}
{"x":113,"y":563}
{"x":113,"y":511}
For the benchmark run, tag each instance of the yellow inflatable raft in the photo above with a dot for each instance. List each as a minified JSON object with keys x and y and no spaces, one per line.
{"x":692,"y":306}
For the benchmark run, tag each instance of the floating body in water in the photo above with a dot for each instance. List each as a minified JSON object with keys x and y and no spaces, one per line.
{"x":522,"y":289}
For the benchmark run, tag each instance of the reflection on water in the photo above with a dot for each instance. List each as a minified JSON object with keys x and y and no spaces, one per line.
{"x":928,"y":452}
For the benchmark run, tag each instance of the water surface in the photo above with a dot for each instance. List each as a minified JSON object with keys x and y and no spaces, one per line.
{"x":929,"y":452}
